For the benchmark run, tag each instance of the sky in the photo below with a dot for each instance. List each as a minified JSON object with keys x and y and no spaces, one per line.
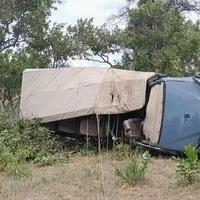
{"x":70,"y":10}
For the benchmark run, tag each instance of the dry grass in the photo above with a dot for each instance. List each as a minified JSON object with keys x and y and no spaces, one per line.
{"x":92,"y":177}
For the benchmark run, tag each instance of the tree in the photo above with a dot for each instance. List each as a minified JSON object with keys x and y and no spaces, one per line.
{"x":55,"y":49}
{"x":94,"y":43}
{"x":157,"y":37}
{"x":161,"y":40}
{"x":184,"y":5}
{"x":10,"y":77}
{"x":22,"y":22}
{"x":180,"y":5}
{"x":28,"y":41}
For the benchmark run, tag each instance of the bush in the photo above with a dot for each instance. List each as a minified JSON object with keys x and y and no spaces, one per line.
{"x":188,"y":168}
{"x":136,"y":169}
{"x":122,"y":150}
{"x":12,"y":164}
{"x":25,"y":141}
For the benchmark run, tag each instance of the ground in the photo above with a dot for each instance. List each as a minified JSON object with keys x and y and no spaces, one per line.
{"x":92,"y":177}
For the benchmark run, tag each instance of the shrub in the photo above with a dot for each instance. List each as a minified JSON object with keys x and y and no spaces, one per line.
{"x":25,"y":141}
{"x":136,"y":169}
{"x":122,"y":150}
{"x":12,"y":164}
{"x":188,"y":168}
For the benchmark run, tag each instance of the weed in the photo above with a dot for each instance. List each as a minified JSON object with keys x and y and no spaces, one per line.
{"x":121,"y":151}
{"x":136,"y":169}
{"x":188,"y":168}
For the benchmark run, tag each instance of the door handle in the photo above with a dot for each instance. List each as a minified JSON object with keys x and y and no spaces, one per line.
{"x":187,"y":116}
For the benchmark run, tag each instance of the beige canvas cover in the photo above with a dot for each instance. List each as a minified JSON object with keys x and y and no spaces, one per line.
{"x":154,"y":113}
{"x":57,"y":94}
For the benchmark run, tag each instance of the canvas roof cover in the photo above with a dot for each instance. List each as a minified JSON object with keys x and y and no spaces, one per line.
{"x":56,"y":94}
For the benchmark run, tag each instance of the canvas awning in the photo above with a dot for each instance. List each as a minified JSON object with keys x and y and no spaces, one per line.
{"x":56,"y":94}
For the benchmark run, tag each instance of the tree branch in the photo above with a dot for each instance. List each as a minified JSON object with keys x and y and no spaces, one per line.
{"x":100,"y":61}
{"x":105,"y":59}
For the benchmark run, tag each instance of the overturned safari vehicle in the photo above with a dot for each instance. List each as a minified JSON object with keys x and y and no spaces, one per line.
{"x":145,"y":108}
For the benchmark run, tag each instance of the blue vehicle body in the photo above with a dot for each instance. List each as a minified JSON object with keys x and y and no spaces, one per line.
{"x":181,"y":114}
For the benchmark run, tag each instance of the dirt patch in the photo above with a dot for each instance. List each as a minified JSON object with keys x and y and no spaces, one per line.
{"x":92,"y":177}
